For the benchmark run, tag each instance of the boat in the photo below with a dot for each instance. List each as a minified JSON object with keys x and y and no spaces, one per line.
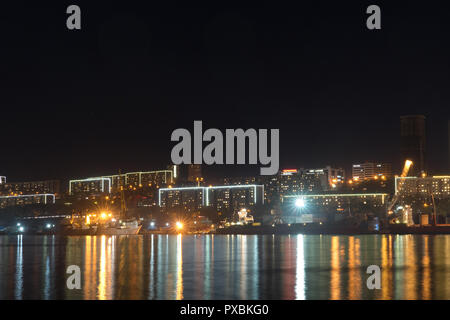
{"x":121,"y":227}
{"x":79,"y":229}
{"x":124,"y":225}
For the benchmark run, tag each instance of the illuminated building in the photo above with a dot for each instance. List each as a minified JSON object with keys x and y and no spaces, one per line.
{"x":286,"y":182}
{"x":293,"y":181}
{"x":234,"y":198}
{"x":26,"y":199}
{"x":188,"y":199}
{"x":90,"y":186}
{"x":413,"y":139}
{"x":2,"y":179}
{"x":31,"y":187}
{"x":439,"y":186}
{"x":371,"y":170}
{"x":112,"y":183}
{"x":230,"y":197}
{"x":330,"y":178}
{"x":144,"y":178}
{"x":329,"y":205}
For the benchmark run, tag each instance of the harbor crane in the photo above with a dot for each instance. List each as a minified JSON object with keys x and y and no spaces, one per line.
{"x":392,"y":215}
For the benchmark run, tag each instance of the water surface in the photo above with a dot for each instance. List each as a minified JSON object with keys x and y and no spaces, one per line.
{"x":225,"y":266}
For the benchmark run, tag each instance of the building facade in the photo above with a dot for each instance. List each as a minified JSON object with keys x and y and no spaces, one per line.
{"x":294,"y":181}
{"x":90,"y":186}
{"x":371,"y":170}
{"x":31,"y":187}
{"x":439,"y":186}
{"x":130,"y":180}
{"x":333,"y":206}
{"x":29,"y":199}
{"x":222,"y":198}
{"x":329,"y":177}
{"x":141,"y":179}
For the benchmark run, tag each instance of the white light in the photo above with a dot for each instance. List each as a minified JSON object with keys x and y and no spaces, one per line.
{"x":21,"y":229}
{"x":18,"y":224}
{"x":300,"y":203}
{"x":49,"y":225}
{"x":152,"y":224}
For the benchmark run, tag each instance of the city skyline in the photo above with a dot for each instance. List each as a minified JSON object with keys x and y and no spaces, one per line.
{"x":108,"y":96}
{"x":224,"y":154}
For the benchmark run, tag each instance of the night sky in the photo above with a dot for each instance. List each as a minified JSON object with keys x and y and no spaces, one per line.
{"x":84,"y":103}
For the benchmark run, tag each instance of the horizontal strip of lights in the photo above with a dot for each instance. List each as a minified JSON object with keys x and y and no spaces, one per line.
{"x":28,"y":195}
{"x":336,"y":195}
{"x":137,"y":173}
{"x":91,"y":179}
{"x":45,"y":195}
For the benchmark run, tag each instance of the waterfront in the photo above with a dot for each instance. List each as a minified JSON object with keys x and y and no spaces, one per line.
{"x":225,"y":266}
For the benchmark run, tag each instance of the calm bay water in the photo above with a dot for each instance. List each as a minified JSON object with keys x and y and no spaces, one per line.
{"x":225,"y":267}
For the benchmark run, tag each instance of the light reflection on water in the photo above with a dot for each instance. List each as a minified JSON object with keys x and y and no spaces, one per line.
{"x":225,"y":267}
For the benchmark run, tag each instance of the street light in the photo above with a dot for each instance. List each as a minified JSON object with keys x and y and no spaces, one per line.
{"x":300,"y":203}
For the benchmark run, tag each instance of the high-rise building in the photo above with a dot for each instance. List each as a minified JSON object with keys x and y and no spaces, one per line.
{"x":130,"y":180}
{"x":438,"y":186}
{"x":141,"y":179}
{"x":413,"y":141}
{"x":296,"y":207}
{"x":90,"y":186}
{"x":30,"y":187}
{"x":371,"y":170}
{"x":2,"y":179}
{"x":329,"y":177}
{"x":27,"y":199}
{"x":287,"y":181}
{"x":221,"y":198}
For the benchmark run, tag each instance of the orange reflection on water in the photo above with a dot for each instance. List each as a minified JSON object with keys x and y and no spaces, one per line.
{"x":354,"y":280}
{"x":426,"y":282}
{"x":88,"y":281}
{"x":386,"y":264}
{"x":335,"y":280}
{"x":179,"y":267}
{"x":102,"y":274}
{"x":410,"y":274}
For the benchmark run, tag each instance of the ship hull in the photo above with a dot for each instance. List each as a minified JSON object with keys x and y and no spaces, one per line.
{"x":119,"y":231}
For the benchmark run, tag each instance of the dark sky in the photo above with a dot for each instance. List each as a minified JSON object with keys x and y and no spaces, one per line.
{"x":88,"y":102}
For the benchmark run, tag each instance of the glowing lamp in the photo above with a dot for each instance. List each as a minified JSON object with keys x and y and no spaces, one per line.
{"x":300,"y":203}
